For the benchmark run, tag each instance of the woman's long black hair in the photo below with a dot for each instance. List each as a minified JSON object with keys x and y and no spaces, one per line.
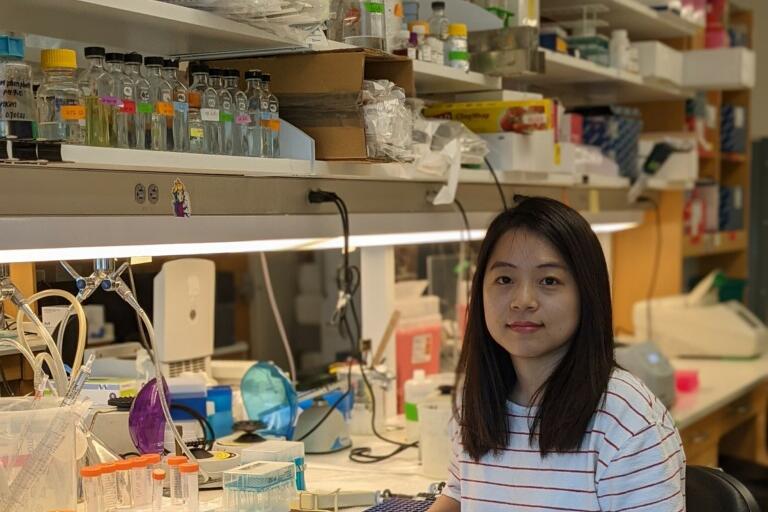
{"x":569,"y":398}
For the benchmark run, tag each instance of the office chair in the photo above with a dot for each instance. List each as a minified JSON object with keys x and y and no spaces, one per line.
{"x":709,"y":489}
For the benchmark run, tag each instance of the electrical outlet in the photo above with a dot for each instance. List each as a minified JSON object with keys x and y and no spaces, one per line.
{"x":154,"y":193}
{"x":139,"y":193}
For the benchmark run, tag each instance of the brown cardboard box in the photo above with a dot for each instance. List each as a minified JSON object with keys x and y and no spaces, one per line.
{"x":319,"y":93}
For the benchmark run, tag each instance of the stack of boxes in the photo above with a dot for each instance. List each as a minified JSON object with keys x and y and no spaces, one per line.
{"x":616,"y":131}
{"x":733,"y":129}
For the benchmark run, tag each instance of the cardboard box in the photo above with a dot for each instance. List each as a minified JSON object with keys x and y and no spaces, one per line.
{"x":722,"y":68}
{"x":320,"y":93}
{"x":499,"y":116}
{"x":659,"y":61}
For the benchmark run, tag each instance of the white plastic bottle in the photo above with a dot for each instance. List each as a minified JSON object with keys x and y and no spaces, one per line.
{"x":416,"y":391}
{"x":620,"y":48}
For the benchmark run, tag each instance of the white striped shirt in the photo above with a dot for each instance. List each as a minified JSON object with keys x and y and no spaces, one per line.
{"x":631,"y":459}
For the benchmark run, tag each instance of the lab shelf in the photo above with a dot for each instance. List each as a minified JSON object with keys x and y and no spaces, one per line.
{"x":735,"y":158}
{"x":709,"y":244}
{"x":580,"y":82}
{"x":642,"y":22}
{"x":434,"y":78}
{"x":147,"y":26}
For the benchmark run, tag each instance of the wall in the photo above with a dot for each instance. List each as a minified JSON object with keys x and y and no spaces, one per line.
{"x":760,"y":93}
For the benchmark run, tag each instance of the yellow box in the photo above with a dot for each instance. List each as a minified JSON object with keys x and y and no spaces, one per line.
{"x":499,"y":116}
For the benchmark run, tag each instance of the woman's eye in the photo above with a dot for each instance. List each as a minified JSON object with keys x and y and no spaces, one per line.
{"x":550,"y":281}
{"x":503,"y":280}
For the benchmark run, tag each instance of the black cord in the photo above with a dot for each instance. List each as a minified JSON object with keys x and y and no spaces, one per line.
{"x":205,"y":425}
{"x":655,"y":267}
{"x":498,"y":184}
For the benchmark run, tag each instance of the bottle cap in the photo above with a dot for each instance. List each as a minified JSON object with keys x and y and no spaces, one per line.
{"x":198,"y":67}
{"x":158,"y":474}
{"x":252,"y":73}
{"x":175,"y":460}
{"x":266,"y":77}
{"x":58,"y":58}
{"x":115,"y":57}
{"x":232,"y":72}
{"x":171,"y":63}
{"x":90,"y":471}
{"x":153,"y":61}
{"x":134,"y":58}
{"x":152,"y":458}
{"x":11,"y":46}
{"x":139,"y":462}
{"x":420,"y":30}
{"x":215,"y":72}
{"x":94,"y":51}
{"x":457,"y":30}
{"x":438,"y":5}
{"x":109,"y":467}
{"x":189,"y":467}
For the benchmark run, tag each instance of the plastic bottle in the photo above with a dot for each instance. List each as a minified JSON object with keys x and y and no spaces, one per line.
{"x":253,"y":92}
{"x":99,"y":96}
{"x":140,"y":481}
{"x":61,"y":112}
{"x":209,"y":112}
{"x":272,"y":117}
{"x":109,"y":485}
{"x":619,"y":48}
{"x":438,"y":22}
{"x":226,"y":112}
{"x":180,"y":130}
{"x":363,"y":23}
{"x":242,"y":119}
{"x":161,"y":96}
{"x":174,"y":476}
{"x":402,"y":44}
{"x":416,"y":390}
{"x":158,"y":482}
{"x":457,"y":54}
{"x":144,"y":107}
{"x":198,"y":143}
{"x":17,"y":102}
{"x":92,"y":489}
{"x":189,"y":486}
{"x":123,"y":132}
{"x":423,"y":50}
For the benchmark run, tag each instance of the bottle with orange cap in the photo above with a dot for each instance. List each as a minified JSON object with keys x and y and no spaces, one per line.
{"x":158,"y":482}
{"x":174,"y":477}
{"x":141,"y":485}
{"x":123,"y":483}
{"x":60,"y":107}
{"x":109,"y":485}
{"x":92,"y":493}
{"x":189,"y":486}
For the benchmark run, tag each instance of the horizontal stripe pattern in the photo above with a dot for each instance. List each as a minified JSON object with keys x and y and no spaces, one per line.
{"x":631,"y":459}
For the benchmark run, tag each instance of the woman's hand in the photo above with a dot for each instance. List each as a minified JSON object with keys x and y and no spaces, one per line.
{"x":445,"y":504}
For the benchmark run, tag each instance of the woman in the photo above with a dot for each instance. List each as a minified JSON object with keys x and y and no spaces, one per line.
{"x":545,"y":418}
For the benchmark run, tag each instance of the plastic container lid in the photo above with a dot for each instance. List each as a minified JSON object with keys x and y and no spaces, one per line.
{"x":153,"y":61}
{"x":90,"y":471}
{"x":215,"y":72}
{"x":12,"y":47}
{"x":108,"y":468}
{"x":457,"y":29}
{"x":133,"y":57}
{"x":58,"y":58}
{"x":198,"y":67}
{"x":189,"y":467}
{"x":139,"y":462}
{"x":415,"y":24}
{"x":266,"y":77}
{"x":123,"y":465}
{"x":175,"y":460}
{"x":232,"y":72}
{"x":158,"y":474}
{"x":94,"y":51}
{"x":152,"y":458}
{"x":438,"y":5}
{"x":252,"y":73}
{"x":115,"y":57}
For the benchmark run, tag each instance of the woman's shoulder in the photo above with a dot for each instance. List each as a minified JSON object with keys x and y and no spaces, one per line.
{"x":629,"y":407}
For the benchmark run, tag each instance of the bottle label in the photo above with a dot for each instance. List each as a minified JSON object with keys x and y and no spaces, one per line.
{"x":109,"y":100}
{"x":458,"y":55}
{"x":129,"y":107}
{"x":374,"y":7}
{"x":226,"y":117}
{"x":16,"y":99}
{"x":72,"y":112}
{"x":180,"y":106}
{"x":196,"y":133}
{"x":144,"y":108}
{"x":209,"y":114}
{"x":194,"y":99}
{"x":243,"y":119}
{"x":164,"y":108}
{"x":412,"y":53}
{"x":274,"y":125}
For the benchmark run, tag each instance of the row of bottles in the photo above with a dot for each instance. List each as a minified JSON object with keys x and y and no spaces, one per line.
{"x":114,"y":104}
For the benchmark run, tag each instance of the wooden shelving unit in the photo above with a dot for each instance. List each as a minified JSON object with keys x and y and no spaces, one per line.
{"x":710,"y":244}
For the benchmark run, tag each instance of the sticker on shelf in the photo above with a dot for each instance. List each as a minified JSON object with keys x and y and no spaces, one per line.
{"x":182,"y":202}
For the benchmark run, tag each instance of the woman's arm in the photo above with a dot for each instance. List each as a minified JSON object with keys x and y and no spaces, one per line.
{"x":445,"y":504}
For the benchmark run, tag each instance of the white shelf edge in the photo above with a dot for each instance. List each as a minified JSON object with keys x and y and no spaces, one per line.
{"x":438,"y":79}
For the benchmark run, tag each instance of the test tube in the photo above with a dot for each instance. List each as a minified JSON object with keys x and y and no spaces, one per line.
{"x":175,"y":478}
{"x":123,"y":484}
{"x":92,"y":488}
{"x":158,"y":481}
{"x":154,"y":461}
{"x":140,"y":482}
{"x":109,"y":485}
{"x":189,"y":488}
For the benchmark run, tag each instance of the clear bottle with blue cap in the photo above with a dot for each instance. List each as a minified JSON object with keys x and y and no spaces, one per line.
{"x":17,"y":103}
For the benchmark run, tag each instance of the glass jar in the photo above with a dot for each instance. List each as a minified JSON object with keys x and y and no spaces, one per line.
{"x":60,"y":107}
{"x":17,"y":103}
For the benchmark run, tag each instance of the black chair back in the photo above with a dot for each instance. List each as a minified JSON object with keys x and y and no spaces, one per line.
{"x":712,"y":490}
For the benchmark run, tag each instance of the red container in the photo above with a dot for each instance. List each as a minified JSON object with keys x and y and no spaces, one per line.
{"x":417,"y":347}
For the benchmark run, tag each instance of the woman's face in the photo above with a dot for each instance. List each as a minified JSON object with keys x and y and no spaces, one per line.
{"x":530,"y":297}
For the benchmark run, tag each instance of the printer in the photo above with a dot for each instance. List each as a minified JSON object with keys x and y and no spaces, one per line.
{"x":697,"y":325}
